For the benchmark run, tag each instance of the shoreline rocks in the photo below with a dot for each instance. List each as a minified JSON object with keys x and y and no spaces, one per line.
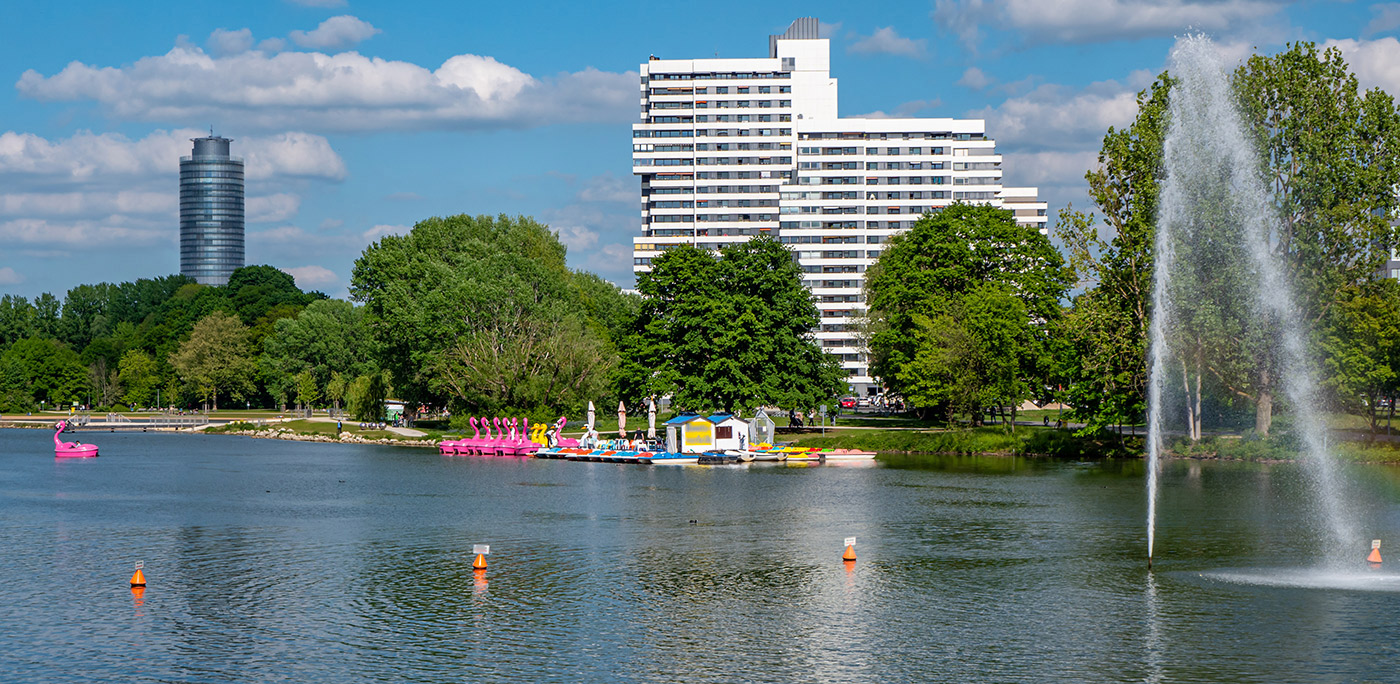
{"x":345,"y":438}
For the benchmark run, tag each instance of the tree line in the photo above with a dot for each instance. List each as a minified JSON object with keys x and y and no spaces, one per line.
{"x":967,"y":310}
{"x":170,"y":342}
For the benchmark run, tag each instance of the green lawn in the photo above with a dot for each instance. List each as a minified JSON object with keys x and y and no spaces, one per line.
{"x":1029,"y":441}
{"x":308,"y":427}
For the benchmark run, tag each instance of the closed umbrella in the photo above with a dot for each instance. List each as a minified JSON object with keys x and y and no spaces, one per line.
{"x":621,"y":420}
{"x":651,"y":418}
{"x":590,"y":417}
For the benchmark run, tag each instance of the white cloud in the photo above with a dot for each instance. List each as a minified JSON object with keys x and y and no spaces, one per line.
{"x":1089,"y":21}
{"x":331,"y":224}
{"x":904,"y":110}
{"x":383,"y":230}
{"x":106,"y":189}
{"x":886,"y":41}
{"x":1376,"y":63}
{"x":291,"y":154}
{"x":1049,"y":167}
{"x":575,"y":237}
{"x":318,"y":3}
{"x":336,"y":32}
{"x":83,"y":234}
{"x":8,"y":276}
{"x":326,"y":245}
{"x":1057,"y":117}
{"x":825,"y":30}
{"x":87,"y":157}
{"x":1050,"y":136}
{"x":975,"y":79}
{"x":613,"y":262}
{"x":271,"y":208}
{"x":308,"y":276}
{"x":607,"y":187}
{"x":1387,"y":18}
{"x":226,"y":42}
{"x":344,"y":91}
{"x":87,"y":204}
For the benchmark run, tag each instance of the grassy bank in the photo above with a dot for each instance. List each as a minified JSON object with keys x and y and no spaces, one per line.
{"x":1024,"y":441}
{"x":1282,"y":448}
{"x":314,"y":428}
{"x":1053,"y":443}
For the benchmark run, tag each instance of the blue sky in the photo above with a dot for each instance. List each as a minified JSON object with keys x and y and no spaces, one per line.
{"x":359,"y":118}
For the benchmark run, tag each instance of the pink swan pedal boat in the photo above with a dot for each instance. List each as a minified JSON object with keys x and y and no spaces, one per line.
{"x":62,"y":449}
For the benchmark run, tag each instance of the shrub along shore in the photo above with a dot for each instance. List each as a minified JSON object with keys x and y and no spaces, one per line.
{"x":1025,"y":441}
{"x":1062,"y":444}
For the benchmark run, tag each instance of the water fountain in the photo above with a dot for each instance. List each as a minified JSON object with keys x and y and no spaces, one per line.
{"x":1214,"y":208}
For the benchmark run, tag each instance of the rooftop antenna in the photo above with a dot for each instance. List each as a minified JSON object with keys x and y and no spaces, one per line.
{"x":211,"y":130}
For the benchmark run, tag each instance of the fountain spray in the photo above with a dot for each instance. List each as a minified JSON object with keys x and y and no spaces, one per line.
{"x":1211,"y":178}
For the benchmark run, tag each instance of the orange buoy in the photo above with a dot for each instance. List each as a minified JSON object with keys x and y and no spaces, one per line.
{"x":1375,"y":556}
{"x":850,"y":554}
{"x":480,"y":550}
{"x":138,"y":578}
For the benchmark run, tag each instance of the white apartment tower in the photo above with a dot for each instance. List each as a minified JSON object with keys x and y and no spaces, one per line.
{"x":732,"y":148}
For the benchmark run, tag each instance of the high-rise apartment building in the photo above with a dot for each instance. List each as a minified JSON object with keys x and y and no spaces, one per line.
{"x":211,"y":212}
{"x":728,"y":149}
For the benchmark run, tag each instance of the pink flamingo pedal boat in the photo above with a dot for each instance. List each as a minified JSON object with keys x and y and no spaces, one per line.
{"x":62,"y":449}
{"x":508,"y":439}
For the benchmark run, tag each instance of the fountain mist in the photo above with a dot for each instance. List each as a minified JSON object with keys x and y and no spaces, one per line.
{"x":1214,"y":219}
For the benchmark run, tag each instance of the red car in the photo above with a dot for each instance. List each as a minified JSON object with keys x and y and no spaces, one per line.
{"x":848,"y":402}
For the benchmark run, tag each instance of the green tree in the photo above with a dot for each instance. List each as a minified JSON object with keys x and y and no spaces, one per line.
{"x":215,"y":359}
{"x":16,"y":319}
{"x":256,"y":290}
{"x":327,"y":337}
{"x":336,"y":389}
{"x":52,"y":372}
{"x":366,"y":396}
{"x":14,"y":387}
{"x":46,"y":316}
{"x":950,"y":272}
{"x":140,"y":375}
{"x":471,"y":311}
{"x":728,"y":332}
{"x":1362,"y":345}
{"x":105,"y":383}
{"x":1107,"y":329}
{"x":1332,"y":158}
{"x":307,"y":389}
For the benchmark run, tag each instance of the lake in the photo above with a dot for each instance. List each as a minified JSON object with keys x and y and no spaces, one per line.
{"x":269,"y":560}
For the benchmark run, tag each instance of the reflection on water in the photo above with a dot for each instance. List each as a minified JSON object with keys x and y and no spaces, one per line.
{"x":325,"y":563}
{"x":1310,"y":578}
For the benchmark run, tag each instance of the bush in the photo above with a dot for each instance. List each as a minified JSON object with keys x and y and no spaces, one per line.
{"x":984,"y":440}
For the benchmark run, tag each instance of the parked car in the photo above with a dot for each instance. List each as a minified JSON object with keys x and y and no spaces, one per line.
{"x":848,"y":402}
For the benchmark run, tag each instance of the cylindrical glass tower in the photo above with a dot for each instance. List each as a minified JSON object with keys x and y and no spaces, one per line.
{"x":211,"y":212}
